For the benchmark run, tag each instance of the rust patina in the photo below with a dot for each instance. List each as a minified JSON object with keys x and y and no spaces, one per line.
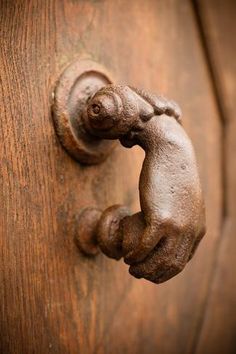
{"x":89,"y":111}
{"x":158,"y":241}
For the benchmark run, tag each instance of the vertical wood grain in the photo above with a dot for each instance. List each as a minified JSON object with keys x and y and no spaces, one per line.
{"x":217,"y":20}
{"x":52,"y":299}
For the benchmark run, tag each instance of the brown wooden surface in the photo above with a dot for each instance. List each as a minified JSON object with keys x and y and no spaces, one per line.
{"x":217,"y":19}
{"x":52,"y":299}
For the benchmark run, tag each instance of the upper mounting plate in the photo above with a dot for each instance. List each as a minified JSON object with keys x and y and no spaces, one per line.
{"x":79,"y":81}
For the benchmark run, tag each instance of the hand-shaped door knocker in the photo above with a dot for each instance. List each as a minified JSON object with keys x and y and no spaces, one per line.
{"x":158,"y":241}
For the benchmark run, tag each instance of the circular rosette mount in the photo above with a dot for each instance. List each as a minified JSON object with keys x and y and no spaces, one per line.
{"x":77,"y":84}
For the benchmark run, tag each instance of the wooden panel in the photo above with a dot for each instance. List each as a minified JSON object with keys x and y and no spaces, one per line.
{"x":217,"y":19}
{"x":52,"y":298}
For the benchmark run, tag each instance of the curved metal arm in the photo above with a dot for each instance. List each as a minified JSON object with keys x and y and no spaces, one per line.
{"x":158,"y":241}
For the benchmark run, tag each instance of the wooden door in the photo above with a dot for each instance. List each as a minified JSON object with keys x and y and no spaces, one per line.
{"x":52,"y":298}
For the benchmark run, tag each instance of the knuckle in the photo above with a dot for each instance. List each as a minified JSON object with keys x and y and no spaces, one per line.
{"x":177,"y":266}
{"x":170,"y":266}
{"x":136,"y":272}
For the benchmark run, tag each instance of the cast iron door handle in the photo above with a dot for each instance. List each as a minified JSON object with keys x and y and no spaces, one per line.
{"x":158,"y":241}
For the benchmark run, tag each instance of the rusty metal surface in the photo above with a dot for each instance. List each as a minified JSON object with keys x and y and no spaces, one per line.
{"x":79,"y":81}
{"x":157,"y":242}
